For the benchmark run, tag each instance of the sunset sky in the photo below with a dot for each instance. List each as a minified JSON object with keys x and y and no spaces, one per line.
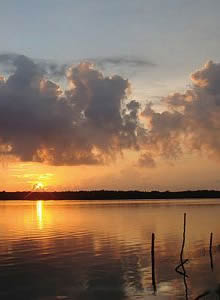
{"x":109,"y":94}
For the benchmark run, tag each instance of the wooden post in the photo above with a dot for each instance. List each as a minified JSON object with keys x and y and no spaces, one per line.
{"x":181,"y":257}
{"x":184,"y":238}
{"x":210,"y":251}
{"x":183,"y":261}
{"x":153,"y":262}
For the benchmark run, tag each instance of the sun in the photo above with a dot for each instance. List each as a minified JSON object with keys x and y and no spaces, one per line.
{"x":38,"y":186}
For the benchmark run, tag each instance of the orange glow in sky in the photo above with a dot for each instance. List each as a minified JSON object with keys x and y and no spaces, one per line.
{"x":122,"y":174}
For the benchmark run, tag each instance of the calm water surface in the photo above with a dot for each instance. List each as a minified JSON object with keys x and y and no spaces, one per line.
{"x":102,"y":250}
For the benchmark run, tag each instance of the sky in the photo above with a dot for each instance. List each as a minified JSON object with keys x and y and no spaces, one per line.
{"x":109,"y":94}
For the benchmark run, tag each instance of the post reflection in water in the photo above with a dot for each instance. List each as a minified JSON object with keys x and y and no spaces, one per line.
{"x":102,"y":250}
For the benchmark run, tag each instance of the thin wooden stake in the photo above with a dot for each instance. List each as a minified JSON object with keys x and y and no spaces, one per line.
{"x":183,"y":261}
{"x":210,"y":251}
{"x":184,"y":238}
{"x":153,"y":263}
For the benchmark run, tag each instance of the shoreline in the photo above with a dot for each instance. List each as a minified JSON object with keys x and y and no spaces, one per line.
{"x":110,"y":195}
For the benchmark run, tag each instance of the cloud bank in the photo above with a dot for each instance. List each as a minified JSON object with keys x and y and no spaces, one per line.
{"x":191,"y":120}
{"x":89,"y":123}
{"x":93,"y":121}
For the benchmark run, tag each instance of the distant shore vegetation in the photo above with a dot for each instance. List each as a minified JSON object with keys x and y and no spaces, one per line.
{"x":108,"y":195}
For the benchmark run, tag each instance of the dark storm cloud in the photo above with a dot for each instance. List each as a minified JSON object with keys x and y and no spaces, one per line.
{"x":89,"y":123}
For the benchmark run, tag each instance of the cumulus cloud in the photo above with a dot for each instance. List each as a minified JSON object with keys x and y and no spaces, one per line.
{"x":208,"y":78}
{"x":93,"y":120}
{"x":190,"y":121}
{"x":89,"y":123}
{"x":9,"y":61}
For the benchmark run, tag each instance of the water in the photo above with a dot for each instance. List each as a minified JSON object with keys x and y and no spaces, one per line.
{"x":102,"y":250}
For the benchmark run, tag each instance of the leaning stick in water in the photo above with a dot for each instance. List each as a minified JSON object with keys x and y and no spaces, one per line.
{"x":183,"y":261}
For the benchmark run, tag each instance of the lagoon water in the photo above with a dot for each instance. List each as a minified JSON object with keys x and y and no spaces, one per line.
{"x":102,"y":249}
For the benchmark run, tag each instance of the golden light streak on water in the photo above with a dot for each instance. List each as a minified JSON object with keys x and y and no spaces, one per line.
{"x":40,"y":214}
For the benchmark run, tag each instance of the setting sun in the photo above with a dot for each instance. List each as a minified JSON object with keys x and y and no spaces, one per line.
{"x":38,"y":186}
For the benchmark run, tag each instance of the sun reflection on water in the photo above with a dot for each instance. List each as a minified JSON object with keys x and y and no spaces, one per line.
{"x":40,"y":213}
